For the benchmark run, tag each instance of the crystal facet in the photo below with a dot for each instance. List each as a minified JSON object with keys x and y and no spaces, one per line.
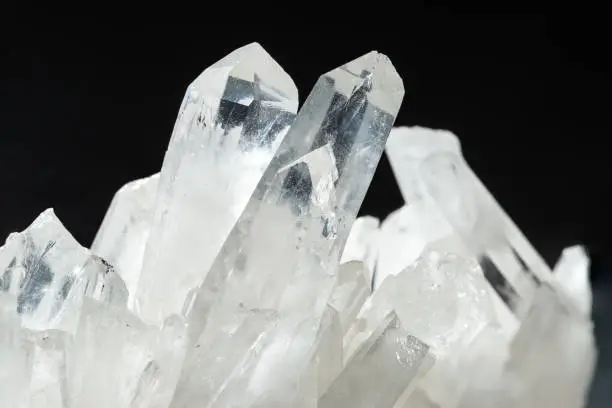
{"x":233,"y":118}
{"x":124,"y":232}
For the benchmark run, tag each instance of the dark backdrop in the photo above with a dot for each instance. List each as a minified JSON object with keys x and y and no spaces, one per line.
{"x":84,"y":111}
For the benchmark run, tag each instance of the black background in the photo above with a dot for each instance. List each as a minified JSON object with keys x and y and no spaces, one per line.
{"x":84,"y":111}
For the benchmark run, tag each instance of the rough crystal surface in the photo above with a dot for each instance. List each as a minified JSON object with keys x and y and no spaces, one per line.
{"x":239,"y":276}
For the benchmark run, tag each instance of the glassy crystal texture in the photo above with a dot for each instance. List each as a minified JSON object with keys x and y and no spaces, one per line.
{"x":362,"y":245}
{"x":46,"y":271}
{"x":124,"y":232}
{"x":283,"y":253}
{"x":249,"y":282}
{"x":230,"y":124}
{"x":436,"y":172}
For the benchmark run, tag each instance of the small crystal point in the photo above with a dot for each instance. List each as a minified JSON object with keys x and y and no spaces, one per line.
{"x":287,"y":234}
{"x":407,"y":147}
{"x":352,"y":108}
{"x":572,"y":272}
{"x":361,"y":245}
{"x":123,"y":234}
{"x":405,"y":234}
{"x":46,"y":269}
{"x":233,"y":117}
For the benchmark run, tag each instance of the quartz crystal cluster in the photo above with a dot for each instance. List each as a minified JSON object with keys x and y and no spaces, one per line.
{"x":240,"y":275}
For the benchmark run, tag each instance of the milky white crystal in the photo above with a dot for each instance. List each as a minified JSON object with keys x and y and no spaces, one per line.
{"x":239,"y":276}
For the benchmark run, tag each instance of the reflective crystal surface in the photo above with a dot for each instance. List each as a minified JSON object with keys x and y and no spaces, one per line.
{"x":124,"y":232}
{"x":231,"y":121}
{"x":239,"y":276}
{"x":46,"y":271}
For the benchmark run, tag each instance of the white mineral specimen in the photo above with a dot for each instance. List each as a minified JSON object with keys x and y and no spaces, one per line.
{"x":241,"y":277}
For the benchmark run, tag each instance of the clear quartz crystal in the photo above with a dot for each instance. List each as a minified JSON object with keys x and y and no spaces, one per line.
{"x":48,"y":385}
{"x":509,"y":260}
{"x":16,"y":356}
{"x":378,"y":374}
{"x":124,"y":232}
{"x":338,"y":134}
{"x":284,"y":250}
{"x":233,"y":117}
{"x":117,"y":360}
{"x":572,"y":274}
{"x":429,"y":168}
{"x":362,"y":244}
{"x":46,"y":270}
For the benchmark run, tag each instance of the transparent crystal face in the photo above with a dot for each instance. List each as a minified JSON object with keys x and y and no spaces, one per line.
{"x":233,"y":117}
{"x":239,"y":277}
{"x":45,"y":269}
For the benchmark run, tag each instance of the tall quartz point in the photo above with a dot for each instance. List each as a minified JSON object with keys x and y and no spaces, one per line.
{"x":231,"y":122}
{"x":433,"y":171}
{"x":48,"y":274}
{"x":350,"y":110}
{"x":419,"y":224}
{"x":283,"y":252}
{"x":124,"y":232}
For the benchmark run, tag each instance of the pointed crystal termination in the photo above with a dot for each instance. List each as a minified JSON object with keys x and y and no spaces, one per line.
{"x":441,"y":298}
{"x":435,"y":170}
{"x":487,"y":229}
{"x":419,"y":224}
{"x":407,"y":147}
{"x":287,"y":237}
{"x":123,"y":234}
{"x":361,"y":245}
{"x":45,"y":269}
{"x":351,"y":109}
{"x":572,"y":273}
{"x":230,"y":124}
{"x":378,"y":374}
